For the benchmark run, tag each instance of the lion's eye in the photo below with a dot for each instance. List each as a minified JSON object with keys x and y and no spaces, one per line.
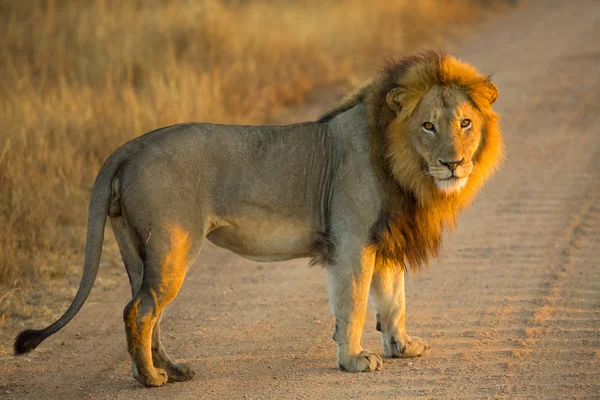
{"x":465,"y":123}
{"x":429,"y":126}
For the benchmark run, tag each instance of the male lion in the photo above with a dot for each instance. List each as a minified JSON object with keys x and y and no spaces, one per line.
{"x":365,"y":190}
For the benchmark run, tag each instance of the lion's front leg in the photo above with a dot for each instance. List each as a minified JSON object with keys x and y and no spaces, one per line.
{"x":387,"y":296}
{"x":349,"y":282}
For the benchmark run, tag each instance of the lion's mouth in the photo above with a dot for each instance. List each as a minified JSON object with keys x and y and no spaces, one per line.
{"x":452,"y":184}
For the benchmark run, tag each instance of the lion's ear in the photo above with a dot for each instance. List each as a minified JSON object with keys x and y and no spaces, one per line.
{"x":492,"y":90}
{"x":394,"y":98}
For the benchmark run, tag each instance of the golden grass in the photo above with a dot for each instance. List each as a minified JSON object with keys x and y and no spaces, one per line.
{"x":79,"y":78}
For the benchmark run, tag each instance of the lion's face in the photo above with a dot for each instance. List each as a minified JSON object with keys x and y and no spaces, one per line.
{"x":444,"y":136}
{"x":446,"y":131}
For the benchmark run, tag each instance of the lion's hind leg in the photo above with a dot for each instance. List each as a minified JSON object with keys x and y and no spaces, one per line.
{"x":177,"y":372}
{"x":387,"y":296}
{"x":167,"y":259}
{"x":129,"y":245}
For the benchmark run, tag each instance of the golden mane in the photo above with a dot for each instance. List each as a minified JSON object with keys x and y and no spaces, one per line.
{"x":414,"y":212}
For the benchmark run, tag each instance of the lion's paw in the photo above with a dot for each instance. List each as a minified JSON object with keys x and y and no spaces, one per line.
{"x":159,"y":378}
{"x":180,"y":372}
{"x":365,"y":361}
{"x":415,"y":347}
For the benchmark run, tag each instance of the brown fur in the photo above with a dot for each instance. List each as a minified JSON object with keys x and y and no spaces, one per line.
{"x":414,"y":212}
{"x":131,"y":316}
{"x":174,"y":263}
{"x":323,"y":249}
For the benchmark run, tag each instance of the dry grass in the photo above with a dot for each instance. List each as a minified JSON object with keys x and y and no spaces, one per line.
{"x":79,"y":78}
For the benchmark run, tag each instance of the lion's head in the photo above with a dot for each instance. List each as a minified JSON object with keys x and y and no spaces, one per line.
{"x":445,"y":131}
{"x":442,"y":137}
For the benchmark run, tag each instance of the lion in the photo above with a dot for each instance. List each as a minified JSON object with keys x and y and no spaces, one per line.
{"x":366,"y":190}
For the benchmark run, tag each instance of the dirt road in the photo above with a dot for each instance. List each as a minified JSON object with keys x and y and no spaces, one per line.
{"x":512,"y":309}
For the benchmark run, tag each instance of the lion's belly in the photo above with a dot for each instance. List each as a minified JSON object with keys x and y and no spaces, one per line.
{"x":258,"y":244}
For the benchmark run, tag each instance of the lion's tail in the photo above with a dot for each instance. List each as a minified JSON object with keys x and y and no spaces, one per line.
{"x":101,"y":195}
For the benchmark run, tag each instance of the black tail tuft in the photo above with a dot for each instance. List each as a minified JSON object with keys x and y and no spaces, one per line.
{"x":27,"y":341}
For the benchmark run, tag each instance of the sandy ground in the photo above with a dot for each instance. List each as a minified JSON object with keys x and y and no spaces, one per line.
{"x":512,"y":309}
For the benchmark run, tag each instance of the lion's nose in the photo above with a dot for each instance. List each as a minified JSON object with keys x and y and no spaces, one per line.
{"x":453,"y":164}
